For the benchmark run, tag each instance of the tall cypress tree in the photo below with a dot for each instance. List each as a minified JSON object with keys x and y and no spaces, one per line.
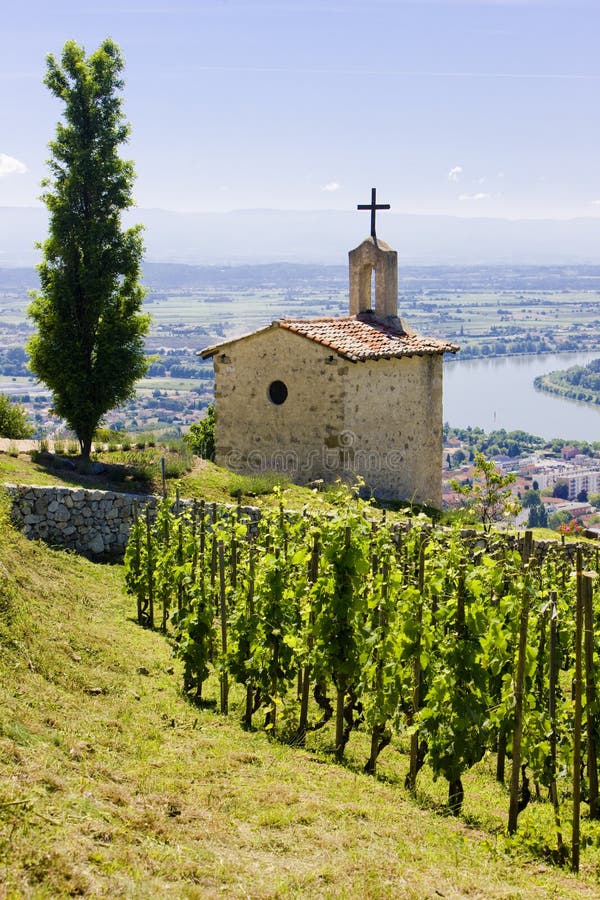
{"x":89,"y":345}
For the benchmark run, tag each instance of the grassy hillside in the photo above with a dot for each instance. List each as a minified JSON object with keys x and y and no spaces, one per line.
{"x":112,"y":785}
{"x":139,"y":470}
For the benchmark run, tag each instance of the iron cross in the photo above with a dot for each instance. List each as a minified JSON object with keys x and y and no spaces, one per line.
{"x":373,"y":206}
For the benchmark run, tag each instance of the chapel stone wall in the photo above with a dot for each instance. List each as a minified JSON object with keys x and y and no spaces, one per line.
{"x":301,"y":436}
{"x":378,"y":420}
{"x":393,"y":420}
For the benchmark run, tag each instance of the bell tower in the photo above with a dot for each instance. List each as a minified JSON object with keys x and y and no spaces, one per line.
{"x":371,"y":256}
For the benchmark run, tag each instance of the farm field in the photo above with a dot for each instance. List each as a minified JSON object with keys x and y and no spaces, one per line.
{"x":113,"y":785}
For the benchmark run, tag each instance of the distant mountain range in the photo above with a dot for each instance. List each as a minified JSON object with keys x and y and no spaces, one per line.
{"x":324,"y":237}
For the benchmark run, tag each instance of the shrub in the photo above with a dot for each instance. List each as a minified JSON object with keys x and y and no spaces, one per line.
{"x":13,"y":420}
{"x":140,"y":467}
{"x":105,"y":435}
{"x":256,"y":485}
{"x":201,"y":436}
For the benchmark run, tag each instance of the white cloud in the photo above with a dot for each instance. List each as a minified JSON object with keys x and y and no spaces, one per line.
{"x":479,"y":196}
{"x":595,"y":202}
{"x":11,"y":166}
{"x":455,"y":173}
{"x":331,"y":186}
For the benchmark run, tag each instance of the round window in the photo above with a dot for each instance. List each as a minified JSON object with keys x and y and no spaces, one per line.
{"x":278,"y":392}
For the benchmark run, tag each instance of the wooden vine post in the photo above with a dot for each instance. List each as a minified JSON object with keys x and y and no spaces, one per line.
{"x":163,"y":477}
{"x":411,"y":778}
{"x":164,"y":591}
{"x":137,"y":564}
{"x":149,"y":571}
{"x":456,"y":791}
{"x":341,"y":687}
{"x":553,"y":682}
{"x":313,"y":574}
{"x":271,"y":718}
{"x":578,"y":689}
{"x":180,"y":589}
{"x":378,"y":737}
{"x":202,"y":550}
{"x":194,"y":565}
{"x":214,"y":555}
{"x":247,"y":719}
{"x":223,"y":615}
{"x":590,"y":694}
{"x":513,"y":810}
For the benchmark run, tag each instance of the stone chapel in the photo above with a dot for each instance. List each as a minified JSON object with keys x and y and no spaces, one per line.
{"x":353,"y":396}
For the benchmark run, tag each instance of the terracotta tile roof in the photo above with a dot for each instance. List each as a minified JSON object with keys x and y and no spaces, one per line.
{"x":356,"y":338}
{"x":363,"y":337}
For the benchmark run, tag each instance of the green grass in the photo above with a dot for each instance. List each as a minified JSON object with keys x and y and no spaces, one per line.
{"x":139,"y":471}
{"x":47,"y":470}
{"x":112,"y":785}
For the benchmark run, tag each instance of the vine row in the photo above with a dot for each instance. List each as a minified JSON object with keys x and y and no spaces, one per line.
{"x":463,"y":645}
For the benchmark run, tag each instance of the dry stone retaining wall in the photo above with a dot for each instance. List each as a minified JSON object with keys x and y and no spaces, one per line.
{"x":94,"y":523}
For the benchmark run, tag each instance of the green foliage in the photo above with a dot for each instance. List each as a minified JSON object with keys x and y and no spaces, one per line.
{"x":177,"y":465}
{"x":530,"y":498}
{"x":512,"y":443}
{"x":89,"y":345}
{"x":201,"y":435}
{"x":538,"y":517}
{"x":13,"y":420}
{"x":561,"y":517}
{"x":415,"y":633}
{"x":256,"y":485}
{"x":561,"y":490}
{"x":577,"y":383}
{"x":489,"y":496}
{"x":108,"y":436}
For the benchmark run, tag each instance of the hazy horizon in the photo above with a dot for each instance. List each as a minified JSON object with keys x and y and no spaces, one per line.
{"x":258,"y":236}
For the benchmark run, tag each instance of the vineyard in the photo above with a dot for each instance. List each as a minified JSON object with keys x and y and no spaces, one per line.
{"x":461,"y":644}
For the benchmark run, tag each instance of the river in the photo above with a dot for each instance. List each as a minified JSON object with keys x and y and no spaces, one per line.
{"x":499,"y":393}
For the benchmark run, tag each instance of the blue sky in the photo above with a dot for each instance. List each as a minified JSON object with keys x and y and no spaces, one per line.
{"x":476,"y":108}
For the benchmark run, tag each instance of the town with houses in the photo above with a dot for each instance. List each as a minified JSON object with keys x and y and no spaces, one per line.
{"x":567,"y":485}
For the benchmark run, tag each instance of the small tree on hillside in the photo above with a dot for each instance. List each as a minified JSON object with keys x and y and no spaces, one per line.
{"x":89,"y":347}
{"x":489,"y":496}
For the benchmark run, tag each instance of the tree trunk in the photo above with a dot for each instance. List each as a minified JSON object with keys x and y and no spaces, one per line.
{"x":380,"y":738}
{"x":85,"y":446}
{"x":456,"y":796}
